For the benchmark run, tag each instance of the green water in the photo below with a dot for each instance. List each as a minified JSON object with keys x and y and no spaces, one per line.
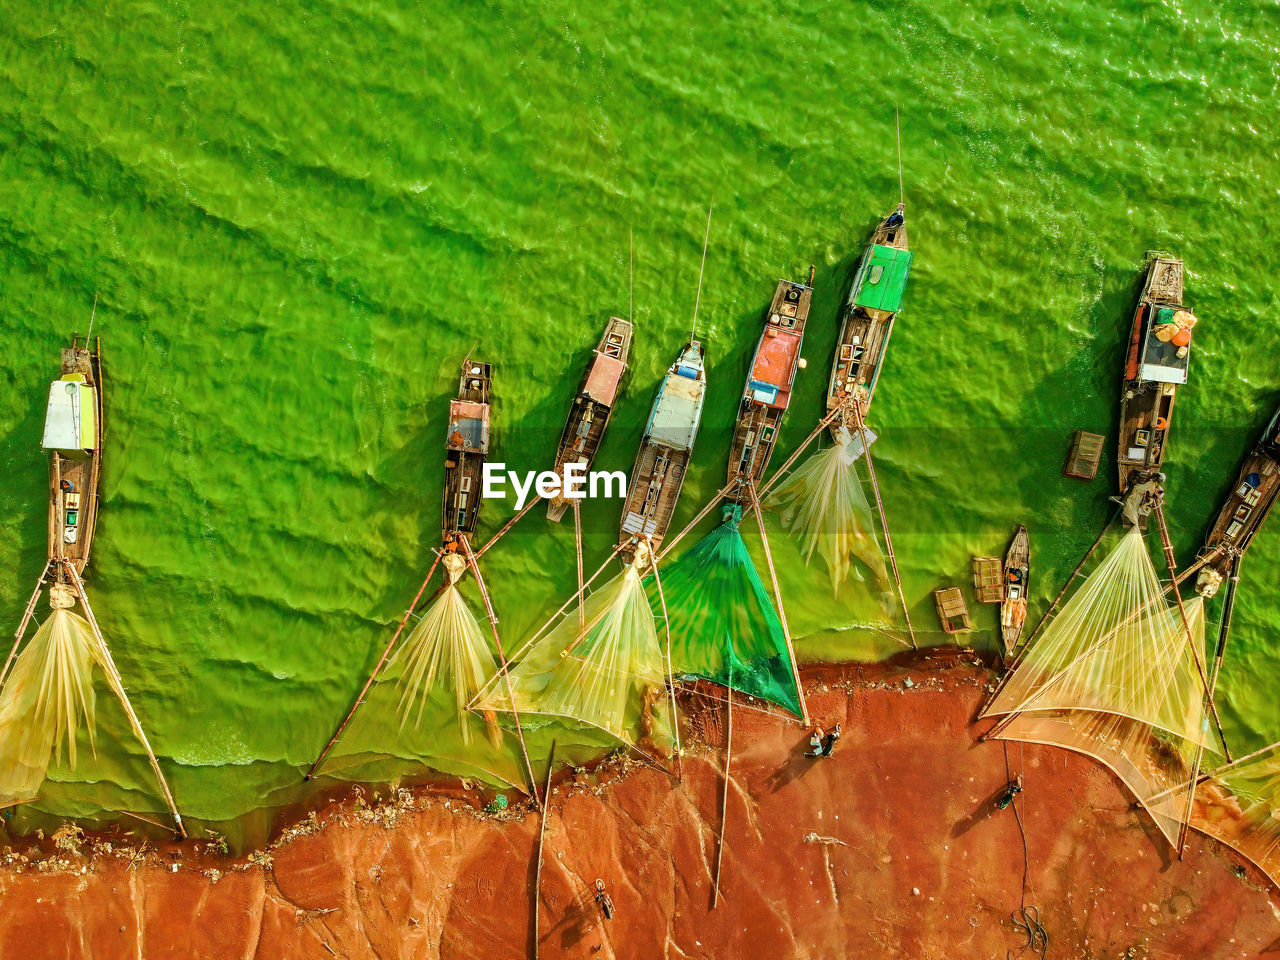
{"x":299,"y":219}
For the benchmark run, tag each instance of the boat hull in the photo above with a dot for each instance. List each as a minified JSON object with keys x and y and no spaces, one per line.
{"x":74,"y":475}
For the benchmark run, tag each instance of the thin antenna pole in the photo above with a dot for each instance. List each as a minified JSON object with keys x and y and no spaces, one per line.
{"x":89,"y":336}
{"x":898,"y":127}
{"x":698,"y":299}
{"x":631,"y":288}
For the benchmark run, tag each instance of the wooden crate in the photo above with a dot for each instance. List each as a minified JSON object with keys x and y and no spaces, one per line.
{"x":1084,"y":456}
{"x":988,"y":579}
{"x":952,"y":610}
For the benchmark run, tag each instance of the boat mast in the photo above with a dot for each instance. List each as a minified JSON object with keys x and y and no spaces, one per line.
{"x":703,"y":269}
{"x":898,"y":127}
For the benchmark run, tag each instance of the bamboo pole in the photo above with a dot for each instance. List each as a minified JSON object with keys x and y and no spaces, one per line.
{"x":1172,"y":563}
{"x":884,"y":522}
{"x":1197,"y":655}
{"x":577,"y":548}
{"x":117,"y":684}
{"x":552,"y":619}
{"x":22,"y":627}
{"x":804,"y":445}
{"x":542,"y":835}
{"x":1228,"y":606}
{"x":503,"y":667}
{"x":507,"y":526}
{"x":671,"y":681}
{"x":382,"y":661}
{"x":724,"y":796}
{"x":777,"y":595}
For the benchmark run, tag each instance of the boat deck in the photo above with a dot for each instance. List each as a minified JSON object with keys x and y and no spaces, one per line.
{"x":864,"y":330}
{"x":1153,"y":371}
{"x":1017,"y":574}
{"x":952,"y":610}
{"x":770,"y":380}
{"x":1246,"y":506}
{"x":592,"y":407}
{"x":73,"y":480}
{"x":656,"y":480}
{"x":467,"y":448}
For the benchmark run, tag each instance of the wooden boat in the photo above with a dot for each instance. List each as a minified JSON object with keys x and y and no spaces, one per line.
{"x":1243,"y":511}
{"x":1084,"y":456}
{"x":1017,"y":571}
{"x":867,"y":318}
{"x":664,"y":452}
{"x":1154,"y":368}
{"x":73,"y":436}
{"x":592,"y":407}
{"x":988,"y":579}
{"x":952,"y":610}
{"x":769,"y":381}
{"x":467,"y":447}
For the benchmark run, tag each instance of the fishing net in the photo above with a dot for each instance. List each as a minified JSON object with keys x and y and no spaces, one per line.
{"x":445,"y":642}
{"x":47,"y":699}
{"x":602,"y":665}
{"x":415,"y":714}
{"x":1115,"y":676}
{"x":1239,"y":805}
{"x":824,"y":506}
{"x":1116,"y":647}
{"x":723,"y":625}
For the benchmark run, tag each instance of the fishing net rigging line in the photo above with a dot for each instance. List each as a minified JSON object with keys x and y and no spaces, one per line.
{"x":1026,"y":918}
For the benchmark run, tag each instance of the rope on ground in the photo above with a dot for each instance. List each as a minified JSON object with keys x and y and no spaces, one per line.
{"x":1026,"y":918}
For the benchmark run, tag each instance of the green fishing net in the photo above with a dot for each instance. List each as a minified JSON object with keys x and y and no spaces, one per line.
{"x":603,"y":664}
{"x":723,"y":625}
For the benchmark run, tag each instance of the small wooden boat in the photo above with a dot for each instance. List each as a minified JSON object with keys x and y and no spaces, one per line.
{"x":1155,"y":365}
{"x":867,"y":318}
{"x":1084,"y":456}
{"x":952,"y":610}
{"x":664,"y":452}
{"x":988,"y":579}
{"x":769,"y":381}
{"x":73,"y":436}
{"x":592,"y":407}
{"x":1017,"y":571}
{"x":467,"y":447}
{"x":1243,"y":511}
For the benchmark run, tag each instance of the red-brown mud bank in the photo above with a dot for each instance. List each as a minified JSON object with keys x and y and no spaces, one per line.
{"x":892,"y":847}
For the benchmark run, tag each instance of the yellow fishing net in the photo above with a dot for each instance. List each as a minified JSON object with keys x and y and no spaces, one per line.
{"x":1114,"y":676}
{"x":824,"y":506}
{"x":602,"y":664}
{"x":446,"y":642}
{"x":1239,"y":805}
{"x":415,"y":714}
{"x":47,"y":699}
{"x":1116,"y":647}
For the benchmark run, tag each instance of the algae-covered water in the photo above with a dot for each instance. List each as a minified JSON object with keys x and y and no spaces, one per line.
{"x":298,"y":219}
